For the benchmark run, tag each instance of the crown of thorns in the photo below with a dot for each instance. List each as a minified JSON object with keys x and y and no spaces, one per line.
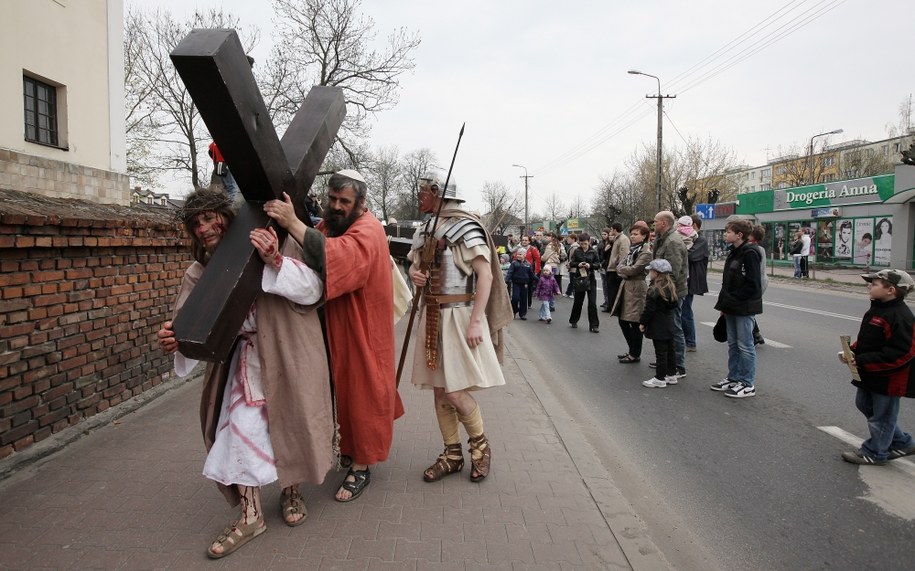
{"x":202,"y":201}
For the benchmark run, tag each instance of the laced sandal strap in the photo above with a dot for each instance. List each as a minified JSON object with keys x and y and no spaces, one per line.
{"x":480,"y":457}
{"x":451,"y":460}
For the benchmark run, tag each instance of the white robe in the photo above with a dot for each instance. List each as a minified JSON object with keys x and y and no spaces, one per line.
{"x":242,"y":453}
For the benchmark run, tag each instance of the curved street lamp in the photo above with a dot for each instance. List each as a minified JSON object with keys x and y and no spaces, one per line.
{"x":660,"y":137}
{"x":810,"y":153}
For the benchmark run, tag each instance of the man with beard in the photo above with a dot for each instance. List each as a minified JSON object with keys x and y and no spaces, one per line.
{"x":359,"y":313}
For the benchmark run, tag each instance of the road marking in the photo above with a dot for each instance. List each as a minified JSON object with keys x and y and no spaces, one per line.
{"x":807,"y":310}
{"x":769,"y":342}
{"x":853,"y":440}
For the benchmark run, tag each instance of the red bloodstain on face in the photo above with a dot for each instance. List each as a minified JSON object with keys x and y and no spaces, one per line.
{"x":209,"y":227}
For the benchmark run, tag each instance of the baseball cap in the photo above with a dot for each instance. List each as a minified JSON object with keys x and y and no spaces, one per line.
{"x":661,"y":266}
{"x":897,"y":278}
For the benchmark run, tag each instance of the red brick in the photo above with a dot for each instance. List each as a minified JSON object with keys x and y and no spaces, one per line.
{"x":49,"y":299}
{"x":47,"y":276}
{"x":25,"y":242}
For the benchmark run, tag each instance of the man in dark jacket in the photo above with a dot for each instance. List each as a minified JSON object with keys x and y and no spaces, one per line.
{"x":739,"y":300}
{"x":668,"y":245}
{"x":696,"y":283}
{"x":883,"y":355}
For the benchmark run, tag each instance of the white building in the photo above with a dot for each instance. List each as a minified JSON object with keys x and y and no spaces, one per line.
{"x":62,"y":130}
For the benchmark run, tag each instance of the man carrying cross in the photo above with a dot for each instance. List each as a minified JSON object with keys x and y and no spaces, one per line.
{"x":359,"y":319}
{"x":460,"y":331}
{"x":266,"y":413}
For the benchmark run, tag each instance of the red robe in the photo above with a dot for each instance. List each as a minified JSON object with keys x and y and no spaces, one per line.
{"x":359,"y":313}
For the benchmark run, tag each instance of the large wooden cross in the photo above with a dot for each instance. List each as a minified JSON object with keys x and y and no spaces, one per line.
{"x":216,"y":72}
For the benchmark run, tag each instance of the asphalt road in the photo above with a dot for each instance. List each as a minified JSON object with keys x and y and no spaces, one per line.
{"x":753,"y":483}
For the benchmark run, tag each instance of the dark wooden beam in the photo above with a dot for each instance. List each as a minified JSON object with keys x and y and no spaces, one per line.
{"x":218,"y":77}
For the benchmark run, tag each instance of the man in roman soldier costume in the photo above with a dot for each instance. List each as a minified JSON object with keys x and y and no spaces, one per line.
{"x":454,"y":261}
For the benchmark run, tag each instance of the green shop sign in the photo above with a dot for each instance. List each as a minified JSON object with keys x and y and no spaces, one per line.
{"x":870,"y":189}
{"x":856,"y":191}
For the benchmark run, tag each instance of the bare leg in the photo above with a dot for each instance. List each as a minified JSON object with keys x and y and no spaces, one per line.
{"x":250,"y":511}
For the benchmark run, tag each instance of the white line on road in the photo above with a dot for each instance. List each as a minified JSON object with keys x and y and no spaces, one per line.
{"x":769,"y":342}
{"x":807,"y":310}
{"x":853,"y":440}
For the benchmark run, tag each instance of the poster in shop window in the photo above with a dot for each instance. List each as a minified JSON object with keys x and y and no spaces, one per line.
{"x":883,"y":241}
{"x":824,"y":240}
{"x":844,"y":230}
{"x":864,"y":241}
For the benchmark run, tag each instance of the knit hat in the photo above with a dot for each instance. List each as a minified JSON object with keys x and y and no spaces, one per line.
{"x":661,"y":266}
{"x":547,"y":269}
{"x":897,"y":278}
{"x":685,"y":221}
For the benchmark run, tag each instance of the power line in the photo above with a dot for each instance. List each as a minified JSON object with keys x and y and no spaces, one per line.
{"x":626,"y":119}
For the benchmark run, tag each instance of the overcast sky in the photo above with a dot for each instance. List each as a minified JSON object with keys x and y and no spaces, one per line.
{"x":543,"y":83}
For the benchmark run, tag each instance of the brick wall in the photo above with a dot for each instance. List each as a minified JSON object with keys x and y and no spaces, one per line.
{"x":51,"y":177}
{"x":84,"y":289}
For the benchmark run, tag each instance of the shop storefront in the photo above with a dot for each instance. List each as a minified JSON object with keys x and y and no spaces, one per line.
{"x":850,"y":222}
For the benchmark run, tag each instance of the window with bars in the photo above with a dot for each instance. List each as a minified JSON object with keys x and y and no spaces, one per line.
{"x":40,"y":111}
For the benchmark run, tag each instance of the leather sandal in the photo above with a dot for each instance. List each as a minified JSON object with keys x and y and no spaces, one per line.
{"x":448,"y":462}
{"x":292,"y":504}
{"x":235,"y":536}
{"x":480,"y":457}
{"x":356,"y":487}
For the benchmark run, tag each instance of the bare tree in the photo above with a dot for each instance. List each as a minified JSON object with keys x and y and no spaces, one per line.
{"x":165,"y":131}
{"x":502,"y":206}
{"x":618,"y":199}
{"x":329,"y":42}
{"x":554,"y":208}
{"x":699,"y":168}
{"x":414,"y":165}
{"x":383,"y":174}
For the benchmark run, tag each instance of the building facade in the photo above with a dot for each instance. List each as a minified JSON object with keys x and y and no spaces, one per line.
{"x":866,"y":222}
{"x":62,"y":131}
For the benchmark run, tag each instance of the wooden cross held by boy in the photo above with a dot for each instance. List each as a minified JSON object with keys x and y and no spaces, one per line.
{"x":217,"y":74}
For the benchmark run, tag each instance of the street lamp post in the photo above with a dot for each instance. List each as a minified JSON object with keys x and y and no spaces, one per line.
{"x":810,"y":179}
{"x":660,"y":99}
{"x":525,"y":177}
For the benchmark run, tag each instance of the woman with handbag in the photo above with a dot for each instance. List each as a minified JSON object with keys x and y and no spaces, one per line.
{"x":583,"y":265}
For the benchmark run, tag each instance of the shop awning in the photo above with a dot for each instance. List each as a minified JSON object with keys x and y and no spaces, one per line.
{"x":901,"y":197}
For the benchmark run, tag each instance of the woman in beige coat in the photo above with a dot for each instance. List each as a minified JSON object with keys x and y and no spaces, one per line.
{"x":630,"y":299}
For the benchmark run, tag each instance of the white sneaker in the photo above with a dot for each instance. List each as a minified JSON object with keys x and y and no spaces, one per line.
{"x":654,"y":383}
{"x":723,"y":385}
{"x":672,"y":380}
{"x":740,"y":390}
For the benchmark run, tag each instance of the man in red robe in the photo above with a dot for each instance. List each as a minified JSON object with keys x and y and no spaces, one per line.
{"x":359,"y":315}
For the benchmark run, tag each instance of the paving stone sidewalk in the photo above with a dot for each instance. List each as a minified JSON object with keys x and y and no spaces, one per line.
{"x":130,"y":496}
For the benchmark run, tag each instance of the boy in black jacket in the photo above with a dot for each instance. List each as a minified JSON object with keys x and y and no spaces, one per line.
{"x":883,"y":354}
{"x":739,"y":300}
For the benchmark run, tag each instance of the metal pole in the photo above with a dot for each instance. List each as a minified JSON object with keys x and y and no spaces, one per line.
{"x":525,"y":177}
{"x":661,"y":98}
{"x":810,"y":179}
{"x":660,"y":143}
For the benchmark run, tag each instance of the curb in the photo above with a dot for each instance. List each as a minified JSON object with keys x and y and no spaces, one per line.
{"x":629,"y":530}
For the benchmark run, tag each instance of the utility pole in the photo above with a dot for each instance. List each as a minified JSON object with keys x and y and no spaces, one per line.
{"x":525,"y":176}
{"x":660,"y":99}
